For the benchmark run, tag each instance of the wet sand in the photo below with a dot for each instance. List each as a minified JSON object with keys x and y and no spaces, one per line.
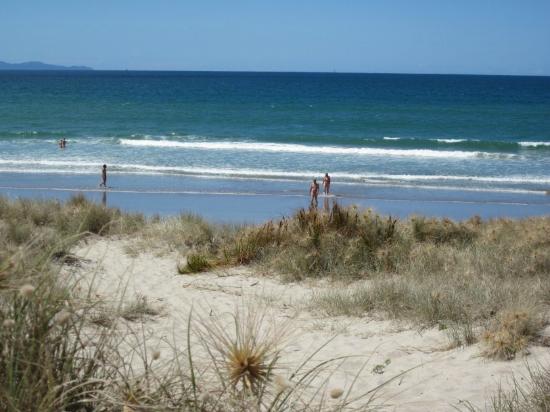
{"x":255,"y":200}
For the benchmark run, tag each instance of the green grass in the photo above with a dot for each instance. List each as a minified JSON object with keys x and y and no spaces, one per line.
{"x":195,"y":263}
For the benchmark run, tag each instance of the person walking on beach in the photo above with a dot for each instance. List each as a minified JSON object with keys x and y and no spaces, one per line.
{"x":313,"y":192}
{"x":326,"y":184}
{"x":103,"y":176}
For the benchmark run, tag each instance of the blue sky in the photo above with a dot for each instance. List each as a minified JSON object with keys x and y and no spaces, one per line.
{"x":421,"y":36}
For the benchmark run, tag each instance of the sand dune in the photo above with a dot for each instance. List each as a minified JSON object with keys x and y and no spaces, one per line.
{"x":441,"y":379}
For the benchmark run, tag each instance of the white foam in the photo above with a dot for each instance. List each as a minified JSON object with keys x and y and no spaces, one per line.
{"x":79,"y":166}
{"x":391,"y":138}
{"x":450,"y":140}
{"x":298,"y":148}
{"x":534,"y":144}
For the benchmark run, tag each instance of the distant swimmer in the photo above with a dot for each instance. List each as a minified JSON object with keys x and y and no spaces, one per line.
{"x":326,"y":184}
{"x":64,"y":142}
{"x":313,"y":192}
{"x":103,"y":176}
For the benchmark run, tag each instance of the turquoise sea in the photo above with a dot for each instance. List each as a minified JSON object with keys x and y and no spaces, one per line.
{"x":475,"y":140}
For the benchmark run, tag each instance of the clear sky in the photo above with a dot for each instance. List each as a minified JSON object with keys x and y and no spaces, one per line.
{"x":393,"y":36}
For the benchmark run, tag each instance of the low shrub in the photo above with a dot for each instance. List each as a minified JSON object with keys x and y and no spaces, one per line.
{"x":195,"y":263}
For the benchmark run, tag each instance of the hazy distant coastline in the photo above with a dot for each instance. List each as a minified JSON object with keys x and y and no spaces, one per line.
{"x":34,"y":65}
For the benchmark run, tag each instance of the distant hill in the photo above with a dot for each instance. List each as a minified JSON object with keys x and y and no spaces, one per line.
{"x":38,"y":66}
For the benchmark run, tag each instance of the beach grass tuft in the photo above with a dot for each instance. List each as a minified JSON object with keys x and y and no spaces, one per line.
{"x":510,"y":333}
{"x":195,"y":263}
{"x":248,"y":346}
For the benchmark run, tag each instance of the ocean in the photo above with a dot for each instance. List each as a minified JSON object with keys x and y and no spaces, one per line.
{"x":480,"y":139}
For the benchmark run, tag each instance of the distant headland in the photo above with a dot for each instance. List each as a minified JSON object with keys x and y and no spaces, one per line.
{"x":38,"y":66}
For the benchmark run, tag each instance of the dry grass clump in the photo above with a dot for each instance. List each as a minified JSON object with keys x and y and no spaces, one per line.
{"x":510,"y":333}
{"x":247,"y":351}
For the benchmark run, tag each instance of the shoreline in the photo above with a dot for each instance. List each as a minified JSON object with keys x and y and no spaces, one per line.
{"x":256,"y":201}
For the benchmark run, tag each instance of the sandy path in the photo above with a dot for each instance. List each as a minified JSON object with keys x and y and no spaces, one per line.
{"x":441,"y":378}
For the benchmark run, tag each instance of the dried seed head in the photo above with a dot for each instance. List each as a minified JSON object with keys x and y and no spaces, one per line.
{"x":336,"y":393}
{"x":26,"y":290}
{"x":62,"y":317}
{"x":8,"y":323}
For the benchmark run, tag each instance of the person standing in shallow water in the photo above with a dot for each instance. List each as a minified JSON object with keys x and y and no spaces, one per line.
{"x":326,"y":184}
{"x":313,"y":192}
{"x":103,"y":176}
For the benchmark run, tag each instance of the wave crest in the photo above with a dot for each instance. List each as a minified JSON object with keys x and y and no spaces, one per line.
{"x":299,"y":148}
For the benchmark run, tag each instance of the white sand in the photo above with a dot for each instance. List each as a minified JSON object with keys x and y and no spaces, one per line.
{"x":441,"y":378}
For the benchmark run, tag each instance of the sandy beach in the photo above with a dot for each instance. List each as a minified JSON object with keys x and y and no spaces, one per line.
{"x":440,"y":377}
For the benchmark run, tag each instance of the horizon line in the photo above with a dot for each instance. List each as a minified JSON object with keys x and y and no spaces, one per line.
{"x":91,"y":69}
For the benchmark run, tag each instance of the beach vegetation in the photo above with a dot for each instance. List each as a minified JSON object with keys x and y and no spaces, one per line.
{"x":138,"y":308}
{"x":528,"y":394}
{"x":195,"y":262}
{"x":483,"y":281}
{"x":510,"y":332}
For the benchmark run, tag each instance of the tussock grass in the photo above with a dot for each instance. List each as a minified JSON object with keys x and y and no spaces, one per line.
{"x":510,"y":333}
{"x":246,"y":351}
{"x":195,"y":263}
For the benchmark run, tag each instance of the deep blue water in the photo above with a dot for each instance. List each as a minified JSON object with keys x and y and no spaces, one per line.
{"x":424,"y":131}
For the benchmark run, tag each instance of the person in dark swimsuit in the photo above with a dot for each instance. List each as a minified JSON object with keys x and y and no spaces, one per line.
{"x":103,"y":176}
